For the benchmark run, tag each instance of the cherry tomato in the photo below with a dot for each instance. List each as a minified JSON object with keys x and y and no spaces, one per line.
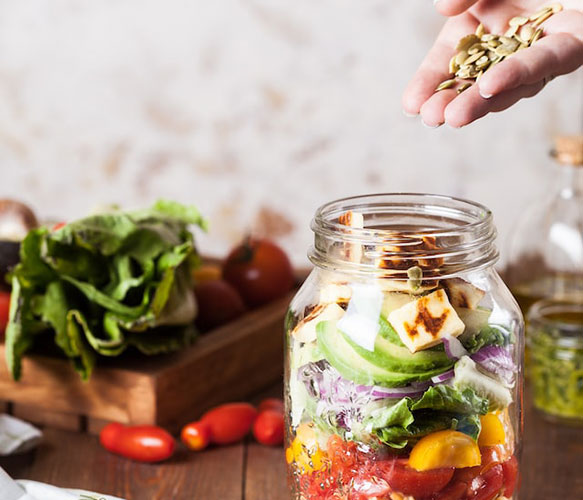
{"x":510,"y":469}
{"x":453,"y":491}
{"x":488,"y":484}
{"x":218,"y":303}
{"x":143,"y":443}
{"x":230,"y":423}
{"x":4,"y":310}
{"x":407,"y":480}
{"x":58,"y":225}
{"x":196,"y":435}
{"x":271,"y":404}
{"x":259,"y":270}
{"x":268,"y":428}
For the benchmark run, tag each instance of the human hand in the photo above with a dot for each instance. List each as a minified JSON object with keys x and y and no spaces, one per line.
{"x":558,"y":52}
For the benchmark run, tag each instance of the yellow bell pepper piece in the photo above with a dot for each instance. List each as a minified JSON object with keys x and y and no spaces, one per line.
{"x":305,"y":451}
{"x":492,"y":432}
{"x":445,"y":449}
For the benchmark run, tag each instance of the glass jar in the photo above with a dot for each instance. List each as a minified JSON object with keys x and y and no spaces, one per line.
{"x":555,"y":362}
{"x":545,"y":257}
{"x":404,"y":348}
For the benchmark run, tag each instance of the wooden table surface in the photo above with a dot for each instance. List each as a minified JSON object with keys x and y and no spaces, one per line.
{"x":552,"y":468}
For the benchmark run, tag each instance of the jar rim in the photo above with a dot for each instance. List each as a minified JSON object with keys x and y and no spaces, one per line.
{"x":353,"y":202}
{"x":542,"y":309}
{"x":395,"y":223}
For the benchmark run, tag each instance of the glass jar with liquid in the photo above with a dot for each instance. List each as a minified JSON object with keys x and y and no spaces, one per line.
{"x":546,"y":249}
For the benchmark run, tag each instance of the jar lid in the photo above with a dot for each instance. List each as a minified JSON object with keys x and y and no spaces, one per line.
{"x":561,"y":319}
{"x":568,"y":149}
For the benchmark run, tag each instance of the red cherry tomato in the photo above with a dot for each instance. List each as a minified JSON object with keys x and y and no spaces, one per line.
{"x":143,"y":443}
{"x":453,"y":491}
{"x":488,"y":484}
{"x":196,"y":435}
{"x":218,"y":303}
{"x":58,"y":225}
{"x":230,"y":423}
{"x":269,"y":427}
{"x":259,"y":270}
{"x":4,"y":310}
{"x":409,"y":481}
{"x":510,"y":469}
{"x":271,"y":404}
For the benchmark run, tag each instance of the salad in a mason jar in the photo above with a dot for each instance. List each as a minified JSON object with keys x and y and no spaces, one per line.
{"x":401,"y":389}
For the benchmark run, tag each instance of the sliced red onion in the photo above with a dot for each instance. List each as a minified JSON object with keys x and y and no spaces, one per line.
{"x":443,"y":377}
{"x":396,"y":392}
{"x":454,"y":348}
{"x":496,"y":360}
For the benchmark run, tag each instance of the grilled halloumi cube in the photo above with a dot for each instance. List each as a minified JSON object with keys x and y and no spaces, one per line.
{"x":425,"y":321}
{"x":305,"y":331}
{"x":463,"y":294}
{"x":335,"y":293}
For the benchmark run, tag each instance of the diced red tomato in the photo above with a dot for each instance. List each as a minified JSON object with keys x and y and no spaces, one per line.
{"x":510,"y":469}
{"x":4,"y":310}
{"x":453,"y":491}
{"x":409,"y":481}
{"x":488,"y":485}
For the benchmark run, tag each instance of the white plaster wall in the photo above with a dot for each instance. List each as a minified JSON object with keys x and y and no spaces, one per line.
{"x":247,"y":107}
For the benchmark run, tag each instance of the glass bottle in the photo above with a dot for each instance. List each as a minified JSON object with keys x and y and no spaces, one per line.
{"x":404,"y":365}
{"x":546,"y":248}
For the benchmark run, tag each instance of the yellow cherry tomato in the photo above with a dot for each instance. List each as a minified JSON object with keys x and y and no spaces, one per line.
{"x":445,"y":449}
{"x":492,"y":432}
{"x":305,"y":451}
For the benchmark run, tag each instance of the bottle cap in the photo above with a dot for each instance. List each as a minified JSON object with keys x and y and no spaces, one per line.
{"x":568,"y":150}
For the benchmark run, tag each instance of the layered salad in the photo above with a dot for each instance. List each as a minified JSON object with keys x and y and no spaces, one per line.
{"x":401,"y":389}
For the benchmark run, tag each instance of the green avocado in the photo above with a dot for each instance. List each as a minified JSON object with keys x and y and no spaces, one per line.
{"x":382,"y":366}
{"x":390,"y":353}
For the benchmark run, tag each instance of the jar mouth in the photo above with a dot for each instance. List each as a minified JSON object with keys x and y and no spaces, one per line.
{"x":449,"y":235}
{"x":559,"y":314}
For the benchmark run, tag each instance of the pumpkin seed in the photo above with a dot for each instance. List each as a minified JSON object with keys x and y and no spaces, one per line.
{"x":466,"y":42}
{"x":537,"y":34}
{"x":463,"y":86}
{"x":518,"y":21}
{"x":445,"y":84}
{"x":480,"y":30}
{"x":540,"y":13}
{"x":542,"y":19}
{"x":474,"y":57}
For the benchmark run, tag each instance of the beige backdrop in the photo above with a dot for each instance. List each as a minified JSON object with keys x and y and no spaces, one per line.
{"x":256,"y":110}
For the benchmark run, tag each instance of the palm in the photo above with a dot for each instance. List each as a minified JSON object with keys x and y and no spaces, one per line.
{"x":560,"y":51}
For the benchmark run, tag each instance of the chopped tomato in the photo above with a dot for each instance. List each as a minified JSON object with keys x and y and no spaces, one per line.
{"x":454,"y":491}
{"x":409,"y":481}
{"x":510,"y":469}
{"x":488,"y":485}
{"x":4,"y":310}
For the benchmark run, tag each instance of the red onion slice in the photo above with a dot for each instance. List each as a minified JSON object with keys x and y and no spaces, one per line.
{"x":443,"y":377}
{"x":454,"y":348}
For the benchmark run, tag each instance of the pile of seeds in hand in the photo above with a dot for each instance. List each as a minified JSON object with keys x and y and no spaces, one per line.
{"x":478,"y":52}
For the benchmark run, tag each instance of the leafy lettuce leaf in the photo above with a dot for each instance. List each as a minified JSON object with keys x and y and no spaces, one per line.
{"x":489,"y":335}
{"x":441,"y":407}
{"x":104,"y":283}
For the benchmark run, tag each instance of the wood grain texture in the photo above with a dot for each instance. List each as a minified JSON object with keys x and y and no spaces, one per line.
{"x":265,"y":475}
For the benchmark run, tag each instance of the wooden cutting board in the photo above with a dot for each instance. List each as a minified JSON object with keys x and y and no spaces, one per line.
{"x":226,"y":364}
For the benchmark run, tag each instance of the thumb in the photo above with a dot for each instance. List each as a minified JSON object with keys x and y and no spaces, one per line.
{"x":453,"y":7}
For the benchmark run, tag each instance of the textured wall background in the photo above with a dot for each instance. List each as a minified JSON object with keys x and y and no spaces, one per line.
{"x":250,"y":109}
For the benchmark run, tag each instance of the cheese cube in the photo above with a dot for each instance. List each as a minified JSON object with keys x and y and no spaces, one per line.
{"x":305,"y":331}
{"x":424,"y":322}
{"x":463,"y":294}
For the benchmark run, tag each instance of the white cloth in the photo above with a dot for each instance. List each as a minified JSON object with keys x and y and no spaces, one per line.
{"x":17,"y":436}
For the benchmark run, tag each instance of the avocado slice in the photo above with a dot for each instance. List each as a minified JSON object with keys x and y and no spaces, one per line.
{"x":350,"y":363}
{"x":390,"y":353}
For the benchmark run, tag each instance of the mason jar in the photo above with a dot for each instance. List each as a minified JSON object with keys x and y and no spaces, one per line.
{"x":404,"y":356}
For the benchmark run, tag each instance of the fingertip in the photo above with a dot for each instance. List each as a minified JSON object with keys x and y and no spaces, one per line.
{"x":456,"y":116}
